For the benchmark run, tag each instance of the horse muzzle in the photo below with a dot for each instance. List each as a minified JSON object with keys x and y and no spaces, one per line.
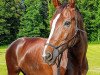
{"x":50,"y":58}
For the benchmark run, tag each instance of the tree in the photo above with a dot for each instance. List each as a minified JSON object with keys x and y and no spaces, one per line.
{"x":33,"y":22}
{"x":10,"y":13}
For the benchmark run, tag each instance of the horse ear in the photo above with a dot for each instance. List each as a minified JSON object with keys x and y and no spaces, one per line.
{"x":56,"y":3}
{"x":72,"y":3}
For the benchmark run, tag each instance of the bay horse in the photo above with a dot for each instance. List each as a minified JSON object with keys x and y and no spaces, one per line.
{"x":67,"y":32}
{"x":25,"y":55}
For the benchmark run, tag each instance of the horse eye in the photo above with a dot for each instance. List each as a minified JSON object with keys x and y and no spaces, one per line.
{"x":67,"y":23}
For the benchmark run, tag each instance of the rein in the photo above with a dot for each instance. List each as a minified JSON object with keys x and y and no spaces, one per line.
{"x":58,"y":65}
{"x":57,"y":52}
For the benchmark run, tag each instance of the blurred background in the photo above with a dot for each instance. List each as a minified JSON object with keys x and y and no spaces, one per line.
{"x":30,"y":18}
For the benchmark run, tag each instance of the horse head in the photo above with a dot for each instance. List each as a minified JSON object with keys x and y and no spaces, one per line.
{"x":64,"y":27}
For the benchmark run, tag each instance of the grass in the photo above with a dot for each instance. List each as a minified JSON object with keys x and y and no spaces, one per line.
{"x":3,"y":70}
{"x":93,"y":55}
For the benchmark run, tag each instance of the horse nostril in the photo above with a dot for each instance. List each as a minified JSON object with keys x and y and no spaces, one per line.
{"x":48,"y":56}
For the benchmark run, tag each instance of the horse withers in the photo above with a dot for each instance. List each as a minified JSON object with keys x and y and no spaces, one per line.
{"x":67,"y":33}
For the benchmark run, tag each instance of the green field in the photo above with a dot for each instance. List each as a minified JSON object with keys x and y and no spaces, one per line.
{"x":93,"y":56}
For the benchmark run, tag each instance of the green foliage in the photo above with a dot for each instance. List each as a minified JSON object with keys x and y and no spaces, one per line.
{"x":9,"y":20}
{"x":33,"y":22}
{"x":51,"y":10}
{"x":22,"y":18}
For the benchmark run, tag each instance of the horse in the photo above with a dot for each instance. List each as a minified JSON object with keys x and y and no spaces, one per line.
{"x":25,"y":55}
{"x":67,"y":33}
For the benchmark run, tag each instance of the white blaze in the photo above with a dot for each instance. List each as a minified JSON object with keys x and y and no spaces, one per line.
{"x":51,"y":32}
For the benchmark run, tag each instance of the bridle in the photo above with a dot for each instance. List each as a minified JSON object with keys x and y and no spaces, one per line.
{"x":57,"y":53}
